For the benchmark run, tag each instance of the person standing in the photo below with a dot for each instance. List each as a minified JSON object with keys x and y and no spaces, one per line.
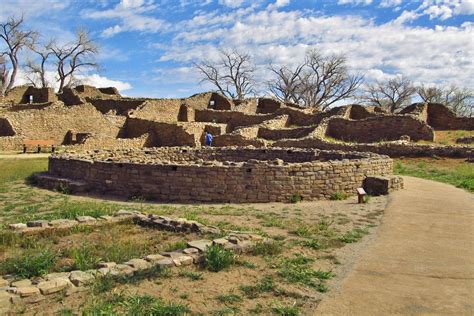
{"x":208,"y":139}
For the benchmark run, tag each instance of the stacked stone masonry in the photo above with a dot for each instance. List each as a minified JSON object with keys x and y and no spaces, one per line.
{"x":217,"y":174}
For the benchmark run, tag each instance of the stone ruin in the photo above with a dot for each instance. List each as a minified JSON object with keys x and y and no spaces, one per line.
{"x":85,"y":117}
{"x":227,"y":175}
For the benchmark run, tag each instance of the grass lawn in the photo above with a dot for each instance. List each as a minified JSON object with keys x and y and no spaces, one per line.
{"x":457,"y":172}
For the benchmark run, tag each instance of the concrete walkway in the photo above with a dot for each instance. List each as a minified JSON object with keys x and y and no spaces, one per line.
{"x":25,"y":156}
{"x":422,"y":260}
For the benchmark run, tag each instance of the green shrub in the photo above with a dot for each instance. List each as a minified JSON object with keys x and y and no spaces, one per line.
{"x":267,"y":248}
{"x":295,"y":198}
{"x":217,"y":258}
{"x":84,"y":258}
{"x":354,"y":235}
{"x":339,"y":196}
{"x":265,"y":285}
{"x":33,"y":262}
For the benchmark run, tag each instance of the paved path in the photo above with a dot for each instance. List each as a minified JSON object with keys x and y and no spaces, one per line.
{"x":422,"y":260}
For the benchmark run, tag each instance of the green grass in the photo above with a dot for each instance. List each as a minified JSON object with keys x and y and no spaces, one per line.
{"x":31,"y":263}
{"x":193,"y":276}
{"x":20,"y":169}
{"x":267,"y":248}
{"x":354,"y":235}
{"x":229,"y":299}
{"x":135,"y":305}
{"x":298,"y":270}
{"x":265,"y":285}
{"x":217,"y":258}
{"x":286,"y":310}
{"x":339,"y":196}
{"x":460,"y":175}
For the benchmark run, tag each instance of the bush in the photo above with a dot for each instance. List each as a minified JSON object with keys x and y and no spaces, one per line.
{"x":339,"y":196}
{"x":84,"y":258}
{"x":217,"y":258}
{"x":267,"y":248}
{"x":33,"y":262}
{"x":295,"y":198}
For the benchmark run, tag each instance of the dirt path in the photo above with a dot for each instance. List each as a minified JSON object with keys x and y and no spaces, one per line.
{"x":422,"y":260}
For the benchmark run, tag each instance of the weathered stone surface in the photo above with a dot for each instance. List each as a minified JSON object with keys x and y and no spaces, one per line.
{"x":5,"y":302}
{"x":220,"y":241}
{"x":53,"y":286}
{"x":201,"y":245}
{"x":4,"y":282}
{"x":86,"y":219}
{"x":25,"y":291}
{"x":124,"y":213}
{"x":79,"y":278}
{"x":138,"y":264}
{"x":106,"y":217}
{"x":38,"y":223}
{"x":33,"y":299}
{"x":75,"y":289}
{"x":103,"y":271}
{"x":186,"y":260}
{"x":21,"y":283}
{"x":122,"y":269}
{"x":57,"y":275}
{"x":189,"y":251}
{"x":63,"y":223}
{"x":154,"y":258}
{"x":106,"y":265}
{"x":167,"y":262}
{"x":17,"y":226}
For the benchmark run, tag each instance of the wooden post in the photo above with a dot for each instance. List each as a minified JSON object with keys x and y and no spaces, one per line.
{"x":361,"y":195}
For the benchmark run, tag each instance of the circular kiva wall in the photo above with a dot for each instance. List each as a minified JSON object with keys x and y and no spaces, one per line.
{"x":225,"y":174}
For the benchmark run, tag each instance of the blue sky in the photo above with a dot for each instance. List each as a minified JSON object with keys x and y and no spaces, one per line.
{"x":148,"y":46}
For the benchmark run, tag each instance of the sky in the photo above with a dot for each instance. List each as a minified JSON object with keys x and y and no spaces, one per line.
{"x":148,"y":47}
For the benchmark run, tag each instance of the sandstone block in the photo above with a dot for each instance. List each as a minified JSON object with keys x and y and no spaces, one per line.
{"x":61,"y":223}
{"x":57,"y":275}
{"x":75,"y":289}
{"x":201,"y":245}
{"x":38,"y":223}
{"x":79,"y":278}
{"x":106,"y":265}
{"x":138,"y":264}
{"x":21,"y":283}
{"x":220,"y":241}
{"x":17,"y":226}
{"x":189,"y":251}
{"x":53,"y":286}
{"x":26,"y":291}
{"x":167,"y":262}
{"x":86,"y":219}
{"x":154,"y":258}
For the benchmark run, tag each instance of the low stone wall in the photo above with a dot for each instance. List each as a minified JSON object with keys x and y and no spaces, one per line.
{"x":442,"y":118}
{"x":392,"y":149}
{"x":277,"y":134}
{"x":381,"y":128}
{"x":220,"y":174}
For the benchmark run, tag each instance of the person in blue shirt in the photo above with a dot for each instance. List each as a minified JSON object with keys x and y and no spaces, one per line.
{"x":208,"y":138}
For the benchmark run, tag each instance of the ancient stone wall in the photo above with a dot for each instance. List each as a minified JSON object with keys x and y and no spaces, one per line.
{"x":442,"y":118}
{"x":376,"y":129}
{"x":266,"y":105}
{"x":182,"y":175}
{"x":119,"y":107}
{"x":277,"y":134}
{"x":392,"y":149}
{"x":21,"y":95}
{"x":164,"y":110}
{"x":55,"y":121}
{"x":359,"y":112}
{"x":10,"y":142}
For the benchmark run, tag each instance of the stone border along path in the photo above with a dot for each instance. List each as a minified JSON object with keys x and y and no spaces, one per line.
{"x":30,"y":291}
{"x":150,"y":220}
{"x":421,"y":261}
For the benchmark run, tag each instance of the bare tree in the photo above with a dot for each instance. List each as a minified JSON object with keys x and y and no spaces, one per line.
{"x":461,"y":101}
{"x":15,"y":39}
{"x":73,"y":57}
{"x":393,"y":94}
{"x":3,"y":74}
{"x":36,"y":71}
{"x":232,"y":75}
{"x":318,"y":82}
{"x":286,"y":85}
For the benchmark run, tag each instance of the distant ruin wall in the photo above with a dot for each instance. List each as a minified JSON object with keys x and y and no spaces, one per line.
{"x":172,"y":178}
{"x":442,"y":118}
{"x":376,"y":129}
{"x":394,"y":149}
{"x":166,"y":110}
{"x":21,"y":95}
{"x":120,"y":107}
{"x":55,"y":121}
{"x":277,"y":134}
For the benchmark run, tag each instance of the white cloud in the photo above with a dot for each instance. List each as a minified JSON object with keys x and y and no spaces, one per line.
{"x":390,"y":3}
{"x":29,"y":8}
{"x":423,"y":54}
{"x":282,"y":3}
{"x":232,"y":3}
{"x":134,"y":15}
{"x":354,"y":2}
{"x":103,"y":82}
